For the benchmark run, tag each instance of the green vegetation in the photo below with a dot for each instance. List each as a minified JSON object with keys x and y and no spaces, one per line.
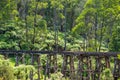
{"x":6,"y":70}
{"x":9,"y":72}
{"x":57,"y":25}
{"x":85,"y":25}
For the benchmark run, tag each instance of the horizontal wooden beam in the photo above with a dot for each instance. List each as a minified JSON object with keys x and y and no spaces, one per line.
{"x":60,"y":53}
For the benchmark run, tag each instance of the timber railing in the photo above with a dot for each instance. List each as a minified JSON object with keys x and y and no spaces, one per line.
{"x":73,"y":65}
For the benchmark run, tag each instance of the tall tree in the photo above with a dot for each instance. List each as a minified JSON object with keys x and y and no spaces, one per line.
{"x":97,"y":19}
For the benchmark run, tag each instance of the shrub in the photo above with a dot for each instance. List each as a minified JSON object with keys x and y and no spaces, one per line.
{"x":6,"y":70}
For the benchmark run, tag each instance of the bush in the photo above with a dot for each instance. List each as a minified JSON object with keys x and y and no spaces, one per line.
{"x":9,"y":72}
{"x":22,"y":72}
{"x":6,"y":70}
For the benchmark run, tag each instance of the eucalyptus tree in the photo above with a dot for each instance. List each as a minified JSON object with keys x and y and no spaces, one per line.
{"x":115,"y":37}
{"x":96,"y":21}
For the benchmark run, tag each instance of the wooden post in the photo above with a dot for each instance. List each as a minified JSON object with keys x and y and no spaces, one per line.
{"x":23,"y":58}
{"x":39,"y":66}
{"x":97,"y":68}
{"x":6,"y":55}
{"x":32,"y":63}
{"x":72,"y":68}
{"x":16,"y":59}
{"x":64,"y":67}
{"x":80,"y":66}
{"x":55,"y":62}
{"x":107,"y":62}
{"x":116,"y":73}
{"x":48,"y":65}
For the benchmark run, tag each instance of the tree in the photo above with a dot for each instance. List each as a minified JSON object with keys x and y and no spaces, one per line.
{"x":115,"y":40}
{"x":96,"y":22}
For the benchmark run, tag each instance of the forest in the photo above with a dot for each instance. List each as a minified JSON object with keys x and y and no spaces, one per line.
{"x":57,"y":25}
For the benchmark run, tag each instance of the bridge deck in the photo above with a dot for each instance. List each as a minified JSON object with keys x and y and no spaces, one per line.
{"x":62,"y":52}
{"x":90,"y":63}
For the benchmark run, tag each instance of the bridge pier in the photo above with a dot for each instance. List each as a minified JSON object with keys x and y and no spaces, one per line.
{"x":84,"y":68}
{"x":80,"y":68}
{"x":39,"y":66}
{"x":116,"y":73}
{"x":89,"y":65}
{"x":16,"y":59}
{"x":51,"y":65}
{"x":68,"y":68}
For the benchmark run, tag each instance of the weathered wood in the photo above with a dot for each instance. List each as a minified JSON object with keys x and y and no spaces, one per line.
{"x":59,"y":53}
{"x":85,"y":70}
{"x":39,"y":66}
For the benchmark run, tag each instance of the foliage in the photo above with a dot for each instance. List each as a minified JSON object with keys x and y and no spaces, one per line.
{"x":9,"y":72}
{"x":115,"y":40}
{"x":106,"y":75}
{"x":6,"y":70}
{"x":96,"y":22}
{"x":28,"y":26}
{"x":57,"y":76}
{"x":23,"y":71}
{"x":72,"y":25}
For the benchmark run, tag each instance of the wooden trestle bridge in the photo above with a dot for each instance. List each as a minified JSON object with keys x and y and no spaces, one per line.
{"x":90,"y":65}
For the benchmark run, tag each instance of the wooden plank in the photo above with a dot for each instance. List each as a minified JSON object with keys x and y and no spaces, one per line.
{"x":59,"y":53}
